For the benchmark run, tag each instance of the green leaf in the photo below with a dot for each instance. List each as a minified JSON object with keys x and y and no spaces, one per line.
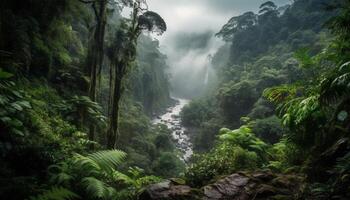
{"x":56,"y":193}
{"x":16,"y":106}
{"x":97,"y":188}
{"x":5,"y":75}
{"x":5,"y":119}
{"x":24,"y":104}
{"x":17,"y":132}
{"x":15,"y":122}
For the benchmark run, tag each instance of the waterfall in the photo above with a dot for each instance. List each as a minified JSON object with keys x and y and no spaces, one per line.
{"x":206,"y":78}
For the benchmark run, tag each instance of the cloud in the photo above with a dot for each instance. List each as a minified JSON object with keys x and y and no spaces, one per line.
{"x":192,"y":41}
{"x":190,"y":35}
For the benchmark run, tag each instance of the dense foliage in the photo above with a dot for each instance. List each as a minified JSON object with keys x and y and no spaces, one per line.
{"x":51,"y":124}
{"x":80,"y":83}
{"x":284,"y":73}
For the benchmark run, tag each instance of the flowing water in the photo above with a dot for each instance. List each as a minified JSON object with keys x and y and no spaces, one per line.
{"x":172,"y":120}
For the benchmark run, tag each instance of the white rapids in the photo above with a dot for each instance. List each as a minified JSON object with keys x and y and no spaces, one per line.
{"x":172,"y":120}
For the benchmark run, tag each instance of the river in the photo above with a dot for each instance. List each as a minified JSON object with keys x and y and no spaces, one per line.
{"x":173,"y":121}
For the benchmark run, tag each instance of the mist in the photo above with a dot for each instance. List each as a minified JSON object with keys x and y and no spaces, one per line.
{"x":190,"y":39}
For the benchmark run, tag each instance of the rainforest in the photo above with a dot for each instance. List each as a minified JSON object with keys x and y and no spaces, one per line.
{"x":174,"y":100}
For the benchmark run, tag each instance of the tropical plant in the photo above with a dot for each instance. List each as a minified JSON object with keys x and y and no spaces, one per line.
{"x":244,"y":138}
{"x":83,"y":112}
{"x":90,"y":176}
{"x":224,"y":159}
{"x":236,"y":150}
{"x":57,"y":193}
{"x":133,"y":183}
{"x":13,"y":102}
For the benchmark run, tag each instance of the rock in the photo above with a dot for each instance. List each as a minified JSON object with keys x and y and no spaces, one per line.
{"x":166,"y":190}
{"x":260,"y":185}
{"x":266,"y":191}
{"x":175,"y":116}
{"x":229,"y":187}
{"x":178,"y":181}
{"x":263,"y":176}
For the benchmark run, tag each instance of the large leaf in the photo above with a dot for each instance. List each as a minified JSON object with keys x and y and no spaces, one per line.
{"x":5,"y":75}
{"x":97,"y":188}
{"x":108,"y":159}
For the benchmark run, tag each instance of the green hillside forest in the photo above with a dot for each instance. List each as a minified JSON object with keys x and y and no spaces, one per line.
{"x":174,"y":100}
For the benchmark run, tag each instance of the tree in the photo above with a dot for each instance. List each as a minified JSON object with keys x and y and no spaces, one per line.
{"x":122,"y":52}
{"x":267,"y":7}
{"x":96,"y":49}
{"x":237,"y":24}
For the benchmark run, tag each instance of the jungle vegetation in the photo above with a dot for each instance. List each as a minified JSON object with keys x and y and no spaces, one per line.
{"x":80,"y":84}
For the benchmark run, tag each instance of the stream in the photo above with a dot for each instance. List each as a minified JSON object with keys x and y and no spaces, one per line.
{"x":173,"y":121}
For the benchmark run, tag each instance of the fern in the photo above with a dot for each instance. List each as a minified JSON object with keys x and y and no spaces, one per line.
{"x":86,"y":165}
{"x":118,"y":176}
{"x":56,"y":193}
{"x":91,"y":173}
{"x":97,"y":188}
{"x":107,"y":160}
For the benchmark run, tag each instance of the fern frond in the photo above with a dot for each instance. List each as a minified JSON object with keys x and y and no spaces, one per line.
{"x":281,"y":94}
{"x":56,"y":193}
{"x":118,"y":176}
{"x":108,"y":159}
{"x":86,"y":165}
{"x":97,"y":188}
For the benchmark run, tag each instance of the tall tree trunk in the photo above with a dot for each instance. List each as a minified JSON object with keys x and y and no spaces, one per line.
{"x":121,"y":60}
{"x":96,"y":53}
{"x":114,"y":99}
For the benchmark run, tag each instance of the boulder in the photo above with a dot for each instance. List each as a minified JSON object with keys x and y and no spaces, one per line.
{"x":167,"y":190}
{"x":239,"y":186}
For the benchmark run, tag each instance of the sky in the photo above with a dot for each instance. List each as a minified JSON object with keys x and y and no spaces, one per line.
{"x":192,"y":25}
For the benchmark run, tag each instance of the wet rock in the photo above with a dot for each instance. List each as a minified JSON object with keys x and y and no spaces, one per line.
{"x":175,"y":116}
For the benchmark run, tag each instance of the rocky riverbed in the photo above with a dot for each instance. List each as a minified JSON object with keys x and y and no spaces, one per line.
{"x":172,"y":120}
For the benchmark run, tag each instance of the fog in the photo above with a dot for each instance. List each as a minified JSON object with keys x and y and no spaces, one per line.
{"x":190,"y":38}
